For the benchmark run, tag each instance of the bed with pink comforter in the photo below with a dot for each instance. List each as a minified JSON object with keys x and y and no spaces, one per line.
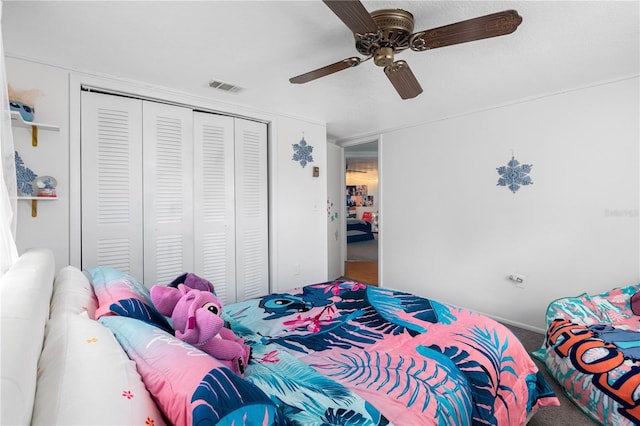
{"x":332,"y":353}
{"x":385,"y":356}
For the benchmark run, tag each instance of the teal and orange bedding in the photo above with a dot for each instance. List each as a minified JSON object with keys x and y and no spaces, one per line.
{"x":592,"y":348}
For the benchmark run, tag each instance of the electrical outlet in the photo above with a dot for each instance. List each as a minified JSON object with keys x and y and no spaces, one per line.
{"x":518,"y":280}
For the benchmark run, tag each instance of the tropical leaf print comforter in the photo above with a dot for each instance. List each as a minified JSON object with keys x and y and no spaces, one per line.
{"x":344,"y":353}
{"x":592,"y":349}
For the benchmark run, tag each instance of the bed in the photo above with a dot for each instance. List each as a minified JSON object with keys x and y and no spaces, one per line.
{"x":338,"y":352}
{"x":592,"y":348}
{"x":358,"y":230}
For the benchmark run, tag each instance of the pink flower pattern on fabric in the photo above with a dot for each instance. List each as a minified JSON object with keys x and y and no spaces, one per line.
{"x":127,"y":394}
{"x":271,"y":357}
{"x":335,"y":288}
{"x":312,"y":324}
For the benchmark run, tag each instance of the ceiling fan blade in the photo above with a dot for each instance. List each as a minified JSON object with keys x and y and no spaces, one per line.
{"x":355,"y":16}
{"x":324,"y":71}
{"x":403,"y":79}
{"x":494,"y":25}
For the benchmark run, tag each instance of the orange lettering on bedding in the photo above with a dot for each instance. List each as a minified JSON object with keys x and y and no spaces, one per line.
{"x":611,"y":360}
{"x":622,"y":390}
{"x":632,"y":413}
{"x":569,"y":333}
{"x":574,"y":341}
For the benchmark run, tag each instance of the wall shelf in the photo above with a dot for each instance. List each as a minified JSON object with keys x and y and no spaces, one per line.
{"x":16,"y":120}
{"x":34,"y":202}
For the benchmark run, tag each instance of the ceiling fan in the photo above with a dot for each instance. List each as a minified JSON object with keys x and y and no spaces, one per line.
{"x":381,"y":34}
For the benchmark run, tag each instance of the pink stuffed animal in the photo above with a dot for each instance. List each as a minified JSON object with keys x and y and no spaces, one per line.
{"x":196,"y":319}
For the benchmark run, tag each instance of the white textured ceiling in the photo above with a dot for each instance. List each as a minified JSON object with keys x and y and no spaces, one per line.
{"x":259,"y":45}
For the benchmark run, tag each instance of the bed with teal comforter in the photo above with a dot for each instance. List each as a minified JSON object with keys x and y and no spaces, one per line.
{"x":343,"y":352}
{"x":334,"y":353}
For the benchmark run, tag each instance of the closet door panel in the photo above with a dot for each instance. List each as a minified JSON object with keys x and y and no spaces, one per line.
{"x":214,"y":207}
{"x":252,"y":268}
{"x":168,"y":192}
{"x":111,"y":156}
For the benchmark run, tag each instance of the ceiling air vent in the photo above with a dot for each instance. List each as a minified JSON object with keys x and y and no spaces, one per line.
{"x":220,"y":85}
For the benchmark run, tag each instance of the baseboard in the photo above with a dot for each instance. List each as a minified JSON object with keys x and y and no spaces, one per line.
{"x":495,"y":317}
{"x":506,"y":321}
{"x":517,"y":324}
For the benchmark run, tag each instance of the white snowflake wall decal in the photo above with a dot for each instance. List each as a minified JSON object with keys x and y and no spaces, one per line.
{"x":514,"y":174}
{"x":302,"y":152}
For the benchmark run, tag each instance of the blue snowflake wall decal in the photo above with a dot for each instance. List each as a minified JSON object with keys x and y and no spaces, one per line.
{"x":25,"y":176}
{"x":514,"y":174}
{"x":302,"y":152}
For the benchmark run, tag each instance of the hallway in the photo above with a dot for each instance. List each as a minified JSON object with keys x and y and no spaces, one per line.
{"x":362,"y":261}
{"x":362,"y":271}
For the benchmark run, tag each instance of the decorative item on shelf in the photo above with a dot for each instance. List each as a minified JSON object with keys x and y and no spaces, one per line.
{"x":514,"y":174}
{"x":25,"y":111}
{"x":25,"y":177}
{"x":46,"y":186}
{"x":302,"y":152}
{"x":23,"y":102}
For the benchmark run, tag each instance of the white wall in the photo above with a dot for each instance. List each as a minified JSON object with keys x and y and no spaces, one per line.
{"x":452,"y":234}
{"x":449,"y":232}
{"x":50,"y":158}
{"x":336,"y":226}
{"x":298,"y":238}
{"x":298,"y":206}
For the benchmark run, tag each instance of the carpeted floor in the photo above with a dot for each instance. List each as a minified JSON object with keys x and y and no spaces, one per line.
{"x":568,"y":413}
{"x":363,"y":250}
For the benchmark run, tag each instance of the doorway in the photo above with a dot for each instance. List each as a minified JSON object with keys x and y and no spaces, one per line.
{"x":362,"y":212}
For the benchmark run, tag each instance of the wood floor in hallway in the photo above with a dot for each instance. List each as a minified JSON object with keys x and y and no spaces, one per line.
{"x":363,"y":271}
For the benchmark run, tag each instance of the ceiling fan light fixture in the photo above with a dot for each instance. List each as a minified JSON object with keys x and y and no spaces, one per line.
{"x":383,"y":56}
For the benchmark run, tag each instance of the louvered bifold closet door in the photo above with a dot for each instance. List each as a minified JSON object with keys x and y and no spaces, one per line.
{"x":168,"y":192}
{"x":214,"y":207}
{"x":252,"y":267}
{"x":111,"y":155}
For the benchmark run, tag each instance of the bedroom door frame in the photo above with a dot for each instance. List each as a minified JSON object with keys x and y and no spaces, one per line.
{"x":343,"y":203}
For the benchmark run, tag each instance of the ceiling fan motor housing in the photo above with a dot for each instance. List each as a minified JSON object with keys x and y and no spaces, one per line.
{"x":395,"y":29}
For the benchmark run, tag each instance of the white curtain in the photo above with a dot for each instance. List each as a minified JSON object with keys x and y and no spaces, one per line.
{"x":8,"y":181}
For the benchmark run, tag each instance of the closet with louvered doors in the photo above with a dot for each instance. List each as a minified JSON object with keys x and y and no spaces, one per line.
{"x":168,"y":190}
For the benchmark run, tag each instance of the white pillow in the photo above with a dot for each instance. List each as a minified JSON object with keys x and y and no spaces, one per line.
{"x":86,"y":378}
{"x":72,"y":293}
{"x":25,"y":293}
